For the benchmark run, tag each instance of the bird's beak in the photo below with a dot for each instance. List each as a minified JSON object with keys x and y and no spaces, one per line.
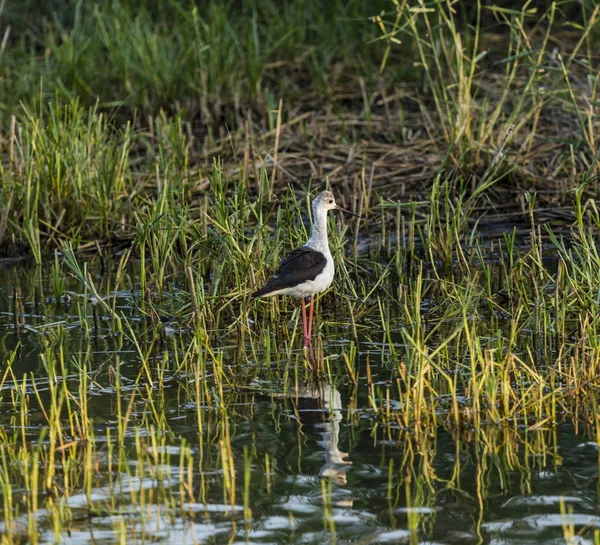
{"x":347,"y":212}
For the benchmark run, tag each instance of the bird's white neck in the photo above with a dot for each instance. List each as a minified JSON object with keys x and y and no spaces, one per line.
{"x":318,"y":239}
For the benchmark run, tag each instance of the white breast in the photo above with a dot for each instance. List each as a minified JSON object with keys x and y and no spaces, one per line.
{"x":325,"y":279}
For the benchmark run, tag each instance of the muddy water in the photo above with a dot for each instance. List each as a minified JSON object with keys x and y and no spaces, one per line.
{"x":313,"y":461}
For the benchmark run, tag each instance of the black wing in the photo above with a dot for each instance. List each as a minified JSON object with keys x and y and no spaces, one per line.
{"x":300,"y":265}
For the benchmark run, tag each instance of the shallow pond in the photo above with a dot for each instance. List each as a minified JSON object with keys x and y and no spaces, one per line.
{"x":175,"y":456}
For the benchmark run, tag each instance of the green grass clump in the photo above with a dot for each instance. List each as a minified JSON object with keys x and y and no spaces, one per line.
{"x":146,"y":56}
{"x":483,"y":77}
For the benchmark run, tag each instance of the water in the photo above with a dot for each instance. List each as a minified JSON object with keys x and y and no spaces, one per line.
{"x":311,"y":464}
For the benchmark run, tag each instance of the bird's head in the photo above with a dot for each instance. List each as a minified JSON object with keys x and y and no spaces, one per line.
{"x":325,"y":200}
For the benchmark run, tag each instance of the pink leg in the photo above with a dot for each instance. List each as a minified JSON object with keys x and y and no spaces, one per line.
{"x":310,"y":316}
{"x":304,"y":324}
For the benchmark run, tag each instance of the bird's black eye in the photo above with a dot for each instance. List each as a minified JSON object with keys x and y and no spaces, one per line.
{"x":330,"y":201}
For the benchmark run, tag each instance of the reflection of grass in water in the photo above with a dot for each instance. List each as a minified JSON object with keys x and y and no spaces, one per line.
{"x":139,"y":460}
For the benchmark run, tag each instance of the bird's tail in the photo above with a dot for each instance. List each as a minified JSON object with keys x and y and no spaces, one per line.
{"x":261,"y":292}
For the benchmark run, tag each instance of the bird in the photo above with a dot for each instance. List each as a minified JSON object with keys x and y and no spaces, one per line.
{"x":307,"y":270}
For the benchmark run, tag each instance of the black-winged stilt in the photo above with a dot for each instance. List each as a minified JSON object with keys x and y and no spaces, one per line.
{"x":308,"y":270}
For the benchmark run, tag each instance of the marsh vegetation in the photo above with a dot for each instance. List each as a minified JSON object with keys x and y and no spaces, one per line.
{"x":159,"y":160}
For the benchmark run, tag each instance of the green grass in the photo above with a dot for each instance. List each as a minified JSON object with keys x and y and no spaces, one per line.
{"x":92,"y":147}
{"x":179,"y":55}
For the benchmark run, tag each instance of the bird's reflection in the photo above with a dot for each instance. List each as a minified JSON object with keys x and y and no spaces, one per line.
{"x":319,"y":404}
